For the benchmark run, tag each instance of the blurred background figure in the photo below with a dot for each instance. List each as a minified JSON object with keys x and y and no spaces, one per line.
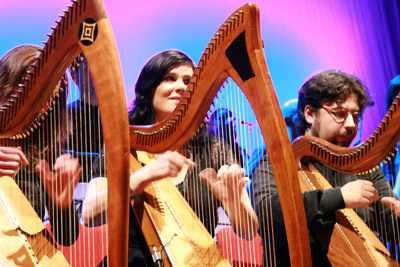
{"x":289,"y":112}
{"x":391,"y":169}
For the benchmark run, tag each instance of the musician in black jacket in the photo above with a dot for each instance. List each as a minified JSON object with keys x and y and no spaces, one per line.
{"x":330,"y":105}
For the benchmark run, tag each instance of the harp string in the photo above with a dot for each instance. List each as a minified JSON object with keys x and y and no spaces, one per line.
{"x":232,"y":125}
{"x":89,"y":149}
{"x":251,"y":148}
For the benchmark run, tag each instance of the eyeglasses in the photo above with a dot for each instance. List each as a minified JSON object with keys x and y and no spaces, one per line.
{"x":340,"y":115}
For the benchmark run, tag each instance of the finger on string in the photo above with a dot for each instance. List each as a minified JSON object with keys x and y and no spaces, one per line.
{"x":7,"y":173}
{"x":209,"y":175}
{"x":62,"y":160}
{"x":243,"y":181}
{"x":222,"y":170}
{"x":43,"y":169}
{"x":14,"y":153}
{"x":190,"y":163}
{"x":367,"y":182}
{"x":9,"y":165}
{"x":24,"y":159}
{"x":10,"y":157}
{"x":181,"y":160}
{"x":389,"y":202}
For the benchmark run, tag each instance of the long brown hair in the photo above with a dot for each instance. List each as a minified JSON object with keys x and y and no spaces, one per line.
{"x":13,"y":65}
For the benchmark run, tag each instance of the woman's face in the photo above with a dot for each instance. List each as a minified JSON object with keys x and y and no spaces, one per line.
{"x":169,"y":92}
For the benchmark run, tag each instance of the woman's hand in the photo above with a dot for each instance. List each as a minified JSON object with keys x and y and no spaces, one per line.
{"x":168,"y":164}
{"x":11,"y":159}
{"x":60,"y":182}
{"x":228,"y":186}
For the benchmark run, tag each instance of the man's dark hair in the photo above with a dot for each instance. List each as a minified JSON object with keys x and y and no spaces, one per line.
{"x":328,"y":87}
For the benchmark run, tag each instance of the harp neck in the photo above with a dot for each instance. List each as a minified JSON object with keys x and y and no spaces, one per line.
{"x":366,"y":156}
{"x":236,"y":51}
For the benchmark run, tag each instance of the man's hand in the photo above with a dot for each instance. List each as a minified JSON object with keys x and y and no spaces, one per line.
{"x":392,"y":203}
{"x":359,"y":194}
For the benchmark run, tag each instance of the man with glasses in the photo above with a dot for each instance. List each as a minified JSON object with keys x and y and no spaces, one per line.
{"x":330,"y":105}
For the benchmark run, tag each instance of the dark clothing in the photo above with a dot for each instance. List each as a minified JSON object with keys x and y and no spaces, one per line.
{"x":138,"y":254}
{"x":320,"y":207}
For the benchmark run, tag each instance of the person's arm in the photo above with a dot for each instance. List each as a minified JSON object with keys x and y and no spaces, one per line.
{"x":59,"y":184}
{"x":168,"y":164}
{"x":94,"y":205}
{"x":320,"y":207}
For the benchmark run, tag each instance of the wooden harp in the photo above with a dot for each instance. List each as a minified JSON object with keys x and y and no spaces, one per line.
{"x":235,"y":52}
{"x":352,"y":242}
{"x":82,"y":31}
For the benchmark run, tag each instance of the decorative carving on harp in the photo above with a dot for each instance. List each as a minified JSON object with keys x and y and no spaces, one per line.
{"x":36,"y":118}
{"x":235,"y":54}
{"x":353,"y":242}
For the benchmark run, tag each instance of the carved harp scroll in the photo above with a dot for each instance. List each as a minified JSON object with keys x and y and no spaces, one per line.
{"x":236,"y":51}
{"x":82,"y":29}
{"x":351,"y":235}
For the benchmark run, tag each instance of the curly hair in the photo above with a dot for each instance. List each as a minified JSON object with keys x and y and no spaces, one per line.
{"x":328,"y":87}
{"x":141,"y":111}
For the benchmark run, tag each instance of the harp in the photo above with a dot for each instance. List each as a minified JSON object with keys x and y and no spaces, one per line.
{"x":351,"y":236}
{"x":83,"y":31}
{"x":235,"y":52}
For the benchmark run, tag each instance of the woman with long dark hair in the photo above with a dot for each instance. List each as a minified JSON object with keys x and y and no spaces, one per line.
{"x":158,"y":90}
